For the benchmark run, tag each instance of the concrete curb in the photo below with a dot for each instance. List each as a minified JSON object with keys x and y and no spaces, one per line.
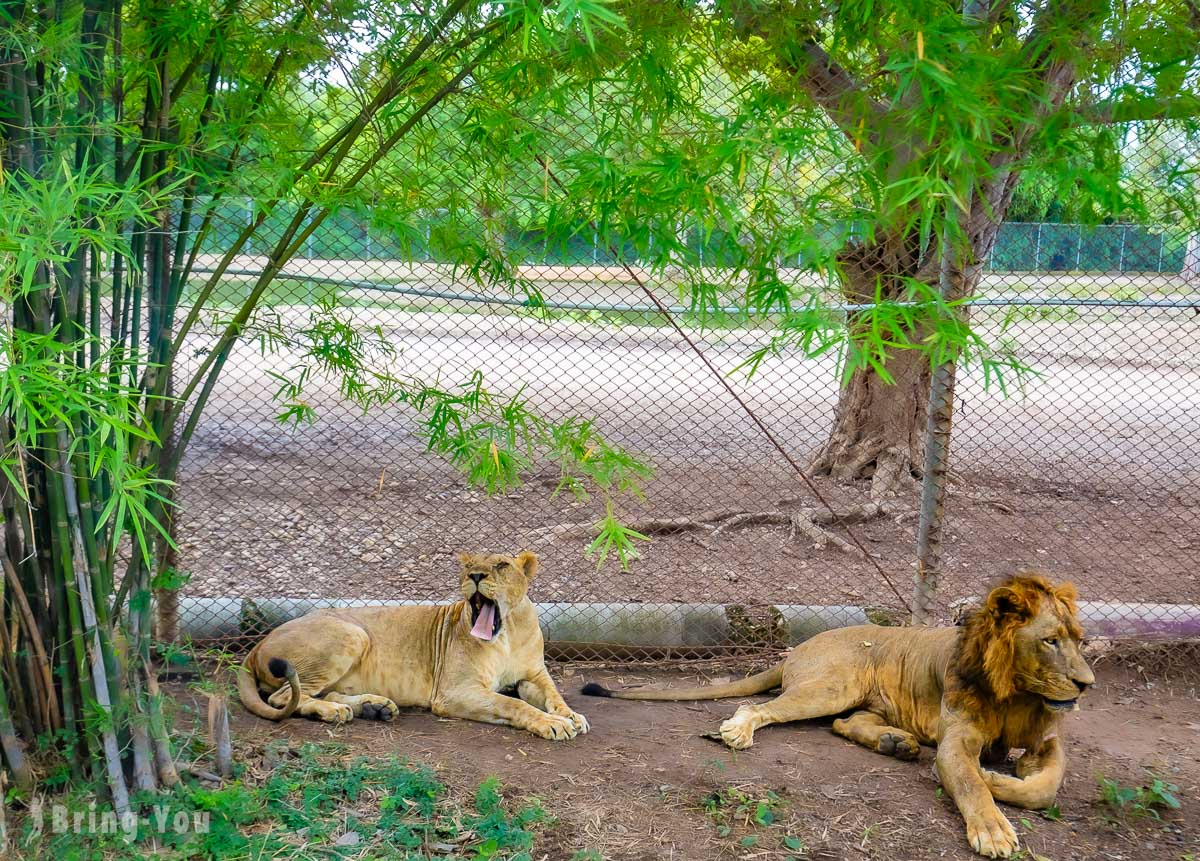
{"x":671,"y":625}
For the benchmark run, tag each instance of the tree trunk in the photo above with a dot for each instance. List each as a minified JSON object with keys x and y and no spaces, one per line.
{"x":878,"y":426}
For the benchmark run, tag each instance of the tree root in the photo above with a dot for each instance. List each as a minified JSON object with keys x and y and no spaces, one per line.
{"x":704,"y":521}
{"x":808,"y":521}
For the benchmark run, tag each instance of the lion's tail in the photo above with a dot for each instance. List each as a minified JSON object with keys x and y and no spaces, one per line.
{"x":248,"y":688}
{"x":756,"y":684}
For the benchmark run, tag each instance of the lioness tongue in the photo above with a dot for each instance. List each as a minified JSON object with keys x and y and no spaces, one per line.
{"x":483,"y":625}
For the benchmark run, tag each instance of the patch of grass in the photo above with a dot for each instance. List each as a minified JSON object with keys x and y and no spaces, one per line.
{"x":317,"y":803}
{"x":751,"y":819}
{"x":1054,"y":814}
{"x":1137,"y":802}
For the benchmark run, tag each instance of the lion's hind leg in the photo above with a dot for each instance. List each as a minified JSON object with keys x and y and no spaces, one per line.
{"x":871,"y":730}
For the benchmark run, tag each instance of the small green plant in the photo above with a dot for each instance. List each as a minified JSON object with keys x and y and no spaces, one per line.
{"x":1136,"y":802}
{"x":730,"y":807}
{"x":587,"y":855}
{"x":339,"y":806}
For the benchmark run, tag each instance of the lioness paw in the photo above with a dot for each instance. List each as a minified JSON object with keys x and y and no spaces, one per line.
{"x":334,"y":712}
{"x":992,"y":836}
{"x":555,"y":728}
{"x":378,"y":708}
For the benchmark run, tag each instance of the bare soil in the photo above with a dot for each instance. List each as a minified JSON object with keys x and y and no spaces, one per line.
{"x":645,"y":785}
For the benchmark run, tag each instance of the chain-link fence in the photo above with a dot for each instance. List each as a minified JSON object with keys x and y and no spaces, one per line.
{"x":1086,"y":469}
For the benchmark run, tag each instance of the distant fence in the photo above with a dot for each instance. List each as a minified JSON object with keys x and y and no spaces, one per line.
{"x":1020,"y":247}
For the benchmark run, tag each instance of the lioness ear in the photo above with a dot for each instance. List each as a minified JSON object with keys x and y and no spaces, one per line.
{"x":527,"y":561}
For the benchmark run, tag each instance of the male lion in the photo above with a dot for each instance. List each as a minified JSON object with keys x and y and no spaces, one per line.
{"x":366,"y":661}
{"x":1000,"y":681}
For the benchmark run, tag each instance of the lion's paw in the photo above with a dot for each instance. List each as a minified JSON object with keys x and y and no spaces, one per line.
{"x":901,"y":745}
{"x":578,"y":721}
{"x":737,"y":733}
{"x":992,"y":835}
{"x":555,"y":728}
{"x":374,"y":707}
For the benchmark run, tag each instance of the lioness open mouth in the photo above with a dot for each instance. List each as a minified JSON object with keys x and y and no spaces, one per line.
{"x":1061,"y":705}
{"x":485,"y":617}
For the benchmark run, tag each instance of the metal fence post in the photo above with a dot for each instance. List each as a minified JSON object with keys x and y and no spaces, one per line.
{"x":1121,"y":259}
{"x":933,"y":479}
{"x":1037,"y":248}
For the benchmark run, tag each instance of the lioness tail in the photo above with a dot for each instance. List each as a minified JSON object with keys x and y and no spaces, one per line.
{"x":248,"y":688}
{"x":756,"y":684}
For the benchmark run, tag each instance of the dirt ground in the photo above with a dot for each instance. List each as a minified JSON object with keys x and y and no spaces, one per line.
{"x":645,"y":785}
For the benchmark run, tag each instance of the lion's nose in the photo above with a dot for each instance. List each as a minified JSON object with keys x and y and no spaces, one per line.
{"x":477,"y":578}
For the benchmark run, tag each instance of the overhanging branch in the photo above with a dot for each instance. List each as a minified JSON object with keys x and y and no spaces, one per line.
{"x":830,"y":86}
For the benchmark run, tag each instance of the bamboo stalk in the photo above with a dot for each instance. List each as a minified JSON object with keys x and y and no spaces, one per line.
{"x":99,"y":677}
{"x":34,"y":635}
{"x":168,"y":775}
{"x":14,"y":751}
{"x":218,"y":735}
{"x":23,"y":704}
{"x":287,"y":245}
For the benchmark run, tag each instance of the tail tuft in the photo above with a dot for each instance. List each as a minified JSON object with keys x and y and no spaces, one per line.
{"x":592,"y":689}
{"x":279,"y":668}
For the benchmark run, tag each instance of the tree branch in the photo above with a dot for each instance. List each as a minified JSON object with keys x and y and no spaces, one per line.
{"x":830,"y":86}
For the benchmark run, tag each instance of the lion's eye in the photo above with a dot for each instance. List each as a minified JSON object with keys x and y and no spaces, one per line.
{"x":1052,"y":642}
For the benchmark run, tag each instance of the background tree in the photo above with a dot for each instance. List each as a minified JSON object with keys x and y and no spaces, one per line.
{"x":945,"y":113}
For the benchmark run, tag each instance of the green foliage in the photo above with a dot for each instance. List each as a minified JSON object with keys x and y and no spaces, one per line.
{"x":731,"y":805}
{"x":613,"y":537}
{"x":302,"y":809}
{"x":1137,"y":802}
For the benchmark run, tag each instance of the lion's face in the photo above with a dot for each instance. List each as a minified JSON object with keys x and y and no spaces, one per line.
{"x":1031,"y":642}
{"x":1048,"y":660}
{"x":492,"y":586}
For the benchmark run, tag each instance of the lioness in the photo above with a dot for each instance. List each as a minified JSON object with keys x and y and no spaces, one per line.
{"x":366,"y":661}
{"x":1000,"y":681}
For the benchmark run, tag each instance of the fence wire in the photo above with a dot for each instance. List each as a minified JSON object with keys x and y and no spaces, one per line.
{"x":1086,"y":470}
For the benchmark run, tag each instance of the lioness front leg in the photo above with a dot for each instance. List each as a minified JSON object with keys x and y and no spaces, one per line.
{"x":490,"y":707}
{"x":988,"y":831}
{"x":1039,"y":775}
{"x":540,"y":692}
